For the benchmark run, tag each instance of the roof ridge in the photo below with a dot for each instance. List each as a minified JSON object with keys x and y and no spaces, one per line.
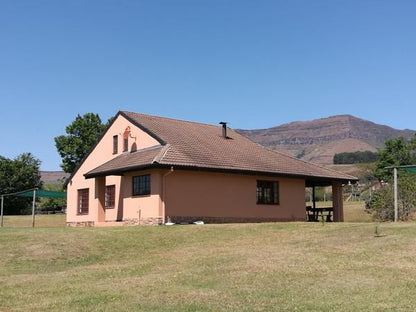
{"x":161,"y":154}
{"x":173,"y":119}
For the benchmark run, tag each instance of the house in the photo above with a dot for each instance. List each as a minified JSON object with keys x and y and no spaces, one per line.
{"x":145,"y":169}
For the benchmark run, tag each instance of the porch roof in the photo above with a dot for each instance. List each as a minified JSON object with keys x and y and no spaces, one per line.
{"x":127,"y":162}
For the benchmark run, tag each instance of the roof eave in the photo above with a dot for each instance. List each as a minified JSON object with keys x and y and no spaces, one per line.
{"x":317,"y":179}
{"x":119,"y":172}
{"x":351,"y":179}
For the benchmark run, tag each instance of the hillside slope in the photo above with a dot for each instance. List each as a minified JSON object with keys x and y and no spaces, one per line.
{"x":53,"y":177}
{"x":319,"y":140}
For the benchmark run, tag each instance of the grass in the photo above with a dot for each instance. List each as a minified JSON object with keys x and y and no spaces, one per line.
{"x":234,"y":267}
{"x":353,"y":212}
{"x":41,"y":220}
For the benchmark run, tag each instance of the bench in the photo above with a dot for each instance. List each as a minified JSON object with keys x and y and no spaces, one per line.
{"x":316,"y":214}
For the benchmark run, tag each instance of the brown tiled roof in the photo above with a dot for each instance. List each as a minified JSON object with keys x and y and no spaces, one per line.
{"x":128,"y":161}
{"x":199,"y":146}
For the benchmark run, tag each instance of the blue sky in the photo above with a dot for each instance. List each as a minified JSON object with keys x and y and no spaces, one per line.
{"x":254,"y":63}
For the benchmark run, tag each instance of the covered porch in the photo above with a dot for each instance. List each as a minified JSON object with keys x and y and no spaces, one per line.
{"x":116,"y":204}
{"x":333,"y":212}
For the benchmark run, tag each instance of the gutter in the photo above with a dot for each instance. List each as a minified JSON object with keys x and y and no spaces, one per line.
{"x":164,"y":194}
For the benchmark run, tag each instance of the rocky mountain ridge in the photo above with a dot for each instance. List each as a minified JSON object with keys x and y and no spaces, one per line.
{"x":53,"y":177}
{"x":320,"y":139}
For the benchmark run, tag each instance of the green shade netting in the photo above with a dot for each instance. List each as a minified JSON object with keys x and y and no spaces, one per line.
{"x":411,"y":169}
{"x":43,"y":193}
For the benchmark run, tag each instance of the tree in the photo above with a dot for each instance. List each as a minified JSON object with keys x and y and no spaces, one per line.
{"x":397,"y":152}
{"x":381,"y":203}
{"x":19,"y":174}
{"x":82,"y":134}
{"x":407,"y":196}
{"x":355,"y":157}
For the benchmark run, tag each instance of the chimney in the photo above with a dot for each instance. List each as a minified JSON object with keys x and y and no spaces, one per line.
{"x":224,"y":129}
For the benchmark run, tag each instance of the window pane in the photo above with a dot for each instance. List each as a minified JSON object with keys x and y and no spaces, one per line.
{"x":267,"y":192}
{"x":125,"y":144}
{"x":110,"y":194}
{"x":115,"y":144}
{"x":141,"y":185}
{"x":126,"y":135}
{"x":83,"y":201}
{"x":275,"y":193}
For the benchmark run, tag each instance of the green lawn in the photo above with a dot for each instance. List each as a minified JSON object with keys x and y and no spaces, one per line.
{"x":52,"y":220}
{"x":234,"y":267}
{"x":353,"y":212}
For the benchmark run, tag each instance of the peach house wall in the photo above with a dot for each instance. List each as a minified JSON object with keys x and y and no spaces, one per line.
{"x":231,"y":195}
{"x":102,"y":153}
{"x":142,"y":207}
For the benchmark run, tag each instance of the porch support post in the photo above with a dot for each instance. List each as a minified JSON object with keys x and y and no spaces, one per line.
{"x":313,"y":197}
{"x":100,"y":196}
{"x":337,"y":202}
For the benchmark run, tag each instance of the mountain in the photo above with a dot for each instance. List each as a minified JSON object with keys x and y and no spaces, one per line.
{"x":53,"y":177}
{"x":319,"y":140}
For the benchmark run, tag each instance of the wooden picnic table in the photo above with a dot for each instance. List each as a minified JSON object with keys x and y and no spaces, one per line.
{"x":315,"y":214}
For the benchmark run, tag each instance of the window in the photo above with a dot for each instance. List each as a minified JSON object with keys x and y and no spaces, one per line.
{"x":83,"y":199}
{"x":268,"y":192}
{"x":110,"y":196}
{"x":125,"y":144}
{"x":115,"y":144}
{"x":141,"y":185}
{"x":126,"y":135}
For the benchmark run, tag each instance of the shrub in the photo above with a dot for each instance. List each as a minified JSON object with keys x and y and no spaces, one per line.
{"x":381,"y":203}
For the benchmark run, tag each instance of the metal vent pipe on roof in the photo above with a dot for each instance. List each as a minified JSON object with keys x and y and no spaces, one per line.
{"x":224,"y":129}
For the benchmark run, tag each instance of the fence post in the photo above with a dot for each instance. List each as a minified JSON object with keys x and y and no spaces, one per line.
{"x":33,"y":208}
{"x":396,"y":210}
{"x":1,"y":213}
